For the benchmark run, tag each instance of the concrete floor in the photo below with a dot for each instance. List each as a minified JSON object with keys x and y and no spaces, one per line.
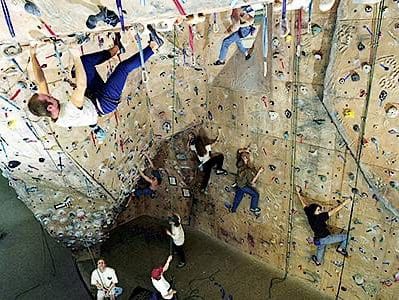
{"x":32,"y":264}
{"x":213,"y":268}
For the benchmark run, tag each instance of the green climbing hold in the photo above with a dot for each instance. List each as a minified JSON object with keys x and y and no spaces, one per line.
{"x":316,"y":29}
{"x":322,"y":178}
{"x":358,"y":278}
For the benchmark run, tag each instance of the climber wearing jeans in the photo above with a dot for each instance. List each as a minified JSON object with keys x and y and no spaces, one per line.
{"x":202,"y":147}
{"x":245,"y":181}
{"x":241,"y":27}
{"x":322,"y":236}
{"x":103,"y":97}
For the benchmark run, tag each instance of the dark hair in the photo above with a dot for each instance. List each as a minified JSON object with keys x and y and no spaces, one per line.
{"x":175,"y":219}
{"x":37,"y":107}
{"x":201,"y":140}
{"x":157,"y":175}
{"x":310,"y":209}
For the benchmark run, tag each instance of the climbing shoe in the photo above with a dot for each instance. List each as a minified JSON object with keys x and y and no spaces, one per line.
{"x":181,"y":264}
{"x":100,"y":134}
{"x":154,"y":37}
{"x":118,"y":42}
{"x":342,"y":252}
{"x":221,"y":172}
{"x":314,"y":259}
{"x":219,"y":63}
{"x":248,"y":56}
{"x":107,"y":16}
{"x":256,"y":211}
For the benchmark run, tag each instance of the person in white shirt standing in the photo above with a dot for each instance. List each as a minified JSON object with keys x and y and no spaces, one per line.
{"x":202,"y":146}
{"x":177,"y":234}
{"x":104,"y":278}
{"x":160,"y":283}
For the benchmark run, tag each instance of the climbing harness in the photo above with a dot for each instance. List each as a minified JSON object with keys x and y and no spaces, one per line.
{"x":144,"y":74}
{"x":7,"y":17}
{"x":120,"y":12}
{"x":265,"y":42}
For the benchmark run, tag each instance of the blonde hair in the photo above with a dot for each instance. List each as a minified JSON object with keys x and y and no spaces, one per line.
{"x":37,"y":107}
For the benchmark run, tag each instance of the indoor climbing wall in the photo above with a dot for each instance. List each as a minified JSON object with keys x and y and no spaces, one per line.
{"x":304,"y":104}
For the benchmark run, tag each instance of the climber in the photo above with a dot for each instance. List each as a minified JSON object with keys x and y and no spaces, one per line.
{"x":160,"y":283}
{"x":177,"y":234}
{"x":202,"y":146}
{"x":104,"y":278}
{"x":322,"y":236}
{"x":245,"y":181}
{"x":242,"y":26}
{"x":147,"y":185}
{"x":92,"y":97}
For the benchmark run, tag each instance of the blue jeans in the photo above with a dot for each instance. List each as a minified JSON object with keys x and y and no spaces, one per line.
{"x":108,"y":93}
{"x":235,"y":37}
{"x":144,"y":192}
{"x":330,"y":239}
{"x":240,"y":192}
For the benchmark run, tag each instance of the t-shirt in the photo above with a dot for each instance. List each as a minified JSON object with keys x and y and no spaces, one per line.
{"x":206,"y":157}
{"x":105,"y":278}
{"x":178,"y":234}
{"x":162,"y":286}
{"x":71,"y":116}
{"x":318,"y":223}
{"x":245,"y":175}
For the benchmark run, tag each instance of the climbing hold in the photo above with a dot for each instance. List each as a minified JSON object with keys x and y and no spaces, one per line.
{"x":318,"y":55}
{"x":358,"y":278}
{"x":12,"y":124}
{"x":394,"y":184}
{"x":366,"y":68}
{"x":351,"y":176}
{"x":276,"y":42}
{"x":322,"y":178}
{"x":32,"y":8}
{"x":382,"y":96}
{"x":13,"y":164}
{"x":210,"y":116}
{"x":272,"y":167}
{"x":273,"y":115}
{"x":361,"y":46}
{"x":368,"y":9}
{"x":41,"y":159}
{"x":356,"y":128}
{"x":391,"y":111}
{"x":316,"y":29}
{"x":12,"y":50}
{"x":166,"y":126}
{"x":348,"y":113}
{"x":286,"y":135}
{"x":288,"y":113}
{"x":355,"y":76}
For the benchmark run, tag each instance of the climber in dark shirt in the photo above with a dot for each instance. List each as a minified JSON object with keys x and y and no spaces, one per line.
{"x":322,"y":236}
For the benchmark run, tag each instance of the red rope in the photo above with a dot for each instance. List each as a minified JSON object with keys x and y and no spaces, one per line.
{"x":181,"y":10}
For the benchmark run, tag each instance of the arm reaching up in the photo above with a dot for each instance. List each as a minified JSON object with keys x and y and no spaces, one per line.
{"x":260,"y":171}
{"x":81,"y":81}
{"x":339,"y":207}
{"x":299,"y":193}
{"x":166,"y":266}
{"x":38,"y":72}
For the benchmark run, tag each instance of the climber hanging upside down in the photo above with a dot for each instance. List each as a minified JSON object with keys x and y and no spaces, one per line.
{"x":92,"y":96}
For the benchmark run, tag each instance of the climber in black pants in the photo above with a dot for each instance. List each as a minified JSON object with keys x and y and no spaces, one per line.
{"x":202,"y":146}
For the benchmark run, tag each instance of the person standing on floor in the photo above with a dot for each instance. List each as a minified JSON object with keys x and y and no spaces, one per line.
{"x":322,"y":236}
{"x":105,"y":280}
{"x":177,"y":234}
{"x":247,"y":175}
{"x":160,"y":283}
{"x":202,"y":146}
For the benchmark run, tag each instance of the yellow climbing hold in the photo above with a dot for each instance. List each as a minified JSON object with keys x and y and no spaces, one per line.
{"x":288,"y":38}
{"x":349,"y":113}
{"x":12,"y":124}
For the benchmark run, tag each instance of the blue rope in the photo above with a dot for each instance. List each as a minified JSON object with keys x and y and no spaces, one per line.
{"x":143,"y":69}
{"x":7,"y":17}
{"x":265,"y":36}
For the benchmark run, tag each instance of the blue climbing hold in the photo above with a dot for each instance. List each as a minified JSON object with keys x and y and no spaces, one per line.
{"x":31,"y":8}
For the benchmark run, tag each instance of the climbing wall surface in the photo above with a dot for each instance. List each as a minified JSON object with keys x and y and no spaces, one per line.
{"x":304,"y":122}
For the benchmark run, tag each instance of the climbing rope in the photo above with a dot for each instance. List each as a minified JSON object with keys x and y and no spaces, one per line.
{"x":144,"y":74}
{"x":120,"y":13}
{"x":174,"y":78}
{"x":294,"y":123}
{"x":265,"y":42}
{"x":377,"y":24}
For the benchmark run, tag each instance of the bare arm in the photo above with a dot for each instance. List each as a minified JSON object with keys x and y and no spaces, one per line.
{"x":146,"y":178}
{"x":260,"y":171}
{"x":166,"y":266}
{"x":298,"y":192}
{"x":339,"y":207}
{"x":81,"y":81}
{"x":38,"y":73}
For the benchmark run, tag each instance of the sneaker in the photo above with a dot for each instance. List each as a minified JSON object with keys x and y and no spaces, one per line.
{"x":342,"y":252}
{"x":314,"y":259}
{"x":100,"y":134}
{"x":181,"y":264}
{"x":118,"y":42}
{"x":219,"y":63}
{"x":255,"y":210}
{"x":248,"y":56}
{"x":221,"y":172}
{"x":154,"y":37}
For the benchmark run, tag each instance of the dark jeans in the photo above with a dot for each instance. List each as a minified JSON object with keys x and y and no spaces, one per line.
{"x":108,"y":93}
{"x":240,"y":192}
{"x":217,"y":161}
{"x":144,"y":192}
{"x":180,"y":252}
